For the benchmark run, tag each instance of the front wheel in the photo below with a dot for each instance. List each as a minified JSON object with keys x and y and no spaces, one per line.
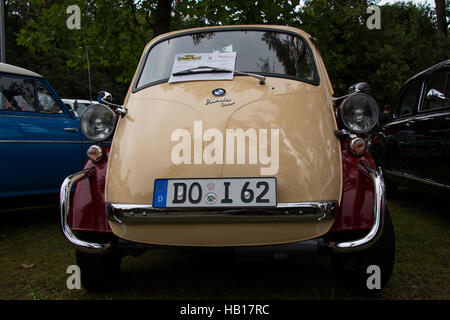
{"x":370,"y":269}
{"x":98,"y":271}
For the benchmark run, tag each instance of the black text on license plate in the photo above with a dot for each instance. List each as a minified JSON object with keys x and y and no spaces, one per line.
{"x":220,"y":192}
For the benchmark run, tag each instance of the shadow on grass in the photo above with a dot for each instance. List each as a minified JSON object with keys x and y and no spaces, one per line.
{"x":28,"y":216}
{"x":208,"y":274}
{"x":428,"y":200}
{"x":29,"y":209}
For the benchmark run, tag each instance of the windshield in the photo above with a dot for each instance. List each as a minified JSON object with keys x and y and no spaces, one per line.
{"x":266,"y":52}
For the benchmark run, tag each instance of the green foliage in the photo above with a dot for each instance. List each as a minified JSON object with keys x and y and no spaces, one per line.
{"x":212,"y":12}
{"x":37,"y":38}
{"x":112,"y":32}
{"x":406,"y":43}
{"x":115,"y":32}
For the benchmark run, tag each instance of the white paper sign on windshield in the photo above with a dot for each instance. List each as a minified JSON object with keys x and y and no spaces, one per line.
{"x":203,"y":66}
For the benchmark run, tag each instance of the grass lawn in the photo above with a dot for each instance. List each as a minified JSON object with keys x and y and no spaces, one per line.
{"x":34,"y":257}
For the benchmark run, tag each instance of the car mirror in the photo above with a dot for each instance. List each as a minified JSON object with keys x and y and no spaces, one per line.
{"x":434,"y":94}
{"x":362,"y":87}
{"x":104,"y":96}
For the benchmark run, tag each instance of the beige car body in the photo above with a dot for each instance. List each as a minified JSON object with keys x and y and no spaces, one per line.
{"x":310,"y":166}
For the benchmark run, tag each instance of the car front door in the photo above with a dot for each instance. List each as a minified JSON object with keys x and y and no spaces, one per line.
{"x":428,"y":154}
{"x":398,"y":133}
{"x":40,"y":141}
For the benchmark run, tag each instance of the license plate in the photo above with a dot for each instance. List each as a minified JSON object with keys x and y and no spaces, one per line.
{"x":220,"y":192}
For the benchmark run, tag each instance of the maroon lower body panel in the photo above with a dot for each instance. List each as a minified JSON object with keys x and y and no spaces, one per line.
{"x":358,"y":195}
{"x":88,"y":212}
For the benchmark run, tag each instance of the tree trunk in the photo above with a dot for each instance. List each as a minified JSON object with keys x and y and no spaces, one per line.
{"x":162,"y":17}
{"x":2,"y":32}
{"x":441,"y":17}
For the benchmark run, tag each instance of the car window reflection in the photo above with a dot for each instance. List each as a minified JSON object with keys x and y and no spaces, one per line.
{"x":271,"y":53}
{"x":436,"y":82}
{"x":408,"y":100}
{"x":47,"y":104}
{"x":17,"y":94}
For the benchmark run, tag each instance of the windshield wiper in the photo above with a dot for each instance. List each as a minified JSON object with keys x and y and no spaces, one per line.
{"x":199,"y":69}
{"x":207,"y":69}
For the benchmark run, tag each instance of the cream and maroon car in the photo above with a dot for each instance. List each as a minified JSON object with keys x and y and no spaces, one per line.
{"x":229,"y":137}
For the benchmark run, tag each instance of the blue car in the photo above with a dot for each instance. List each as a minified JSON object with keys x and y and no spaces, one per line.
{"x":40,"y":138}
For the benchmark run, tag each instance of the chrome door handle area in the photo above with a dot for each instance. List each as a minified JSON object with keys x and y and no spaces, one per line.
{"x":70,"y":129}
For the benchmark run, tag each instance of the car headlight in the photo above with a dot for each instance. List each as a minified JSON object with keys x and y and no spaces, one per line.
{"x":97,"y":122}
{"x":359,"y":112}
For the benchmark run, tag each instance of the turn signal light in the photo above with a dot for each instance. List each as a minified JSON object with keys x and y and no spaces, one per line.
{"x":358,"y":146}
{"x":95,"y":153}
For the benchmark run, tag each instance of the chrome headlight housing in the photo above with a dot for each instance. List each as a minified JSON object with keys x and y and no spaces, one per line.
{"x":359,"y":112}
{"x":97,"y":122}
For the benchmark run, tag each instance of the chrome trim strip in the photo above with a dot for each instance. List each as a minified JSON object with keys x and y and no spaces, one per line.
{"x":64,"y":202}
{"x":416,"y":179}
{"x":283,"y":212}
{"x":378,"y":217}
{"x":27,"y":115}
{"x":38,"y":141}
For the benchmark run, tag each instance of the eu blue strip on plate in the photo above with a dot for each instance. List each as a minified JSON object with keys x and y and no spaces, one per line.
{"x":160,"y":193}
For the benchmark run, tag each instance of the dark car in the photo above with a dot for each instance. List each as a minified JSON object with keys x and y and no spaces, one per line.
{"x":40,"y":138}
{"x":414,"y":145}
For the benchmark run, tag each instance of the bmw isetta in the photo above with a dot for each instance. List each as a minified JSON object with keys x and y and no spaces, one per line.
{"x":230,"y":137}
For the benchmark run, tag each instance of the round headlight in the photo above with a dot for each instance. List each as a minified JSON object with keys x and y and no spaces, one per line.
{"x":359,"y":112}
{"x":97,"y":122}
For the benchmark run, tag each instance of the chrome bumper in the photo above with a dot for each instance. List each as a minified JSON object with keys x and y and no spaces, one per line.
{"x":64,"y":202}
{"x":378,"y":216}
{"x":283,"y":212}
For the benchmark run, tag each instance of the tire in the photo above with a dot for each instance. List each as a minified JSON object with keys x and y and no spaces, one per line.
{"x":99,"y":272}
{"x":354,"y":269}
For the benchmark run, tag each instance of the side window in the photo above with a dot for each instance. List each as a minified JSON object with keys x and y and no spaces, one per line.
{"x":408,"y":100}
{"x":436,"y":82}
{"x":47,"y":103}
{"x":17,"y":94}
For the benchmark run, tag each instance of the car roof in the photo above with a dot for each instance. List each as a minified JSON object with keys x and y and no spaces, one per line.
{"x":437,"y":67}
{"x":9,"y":68}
